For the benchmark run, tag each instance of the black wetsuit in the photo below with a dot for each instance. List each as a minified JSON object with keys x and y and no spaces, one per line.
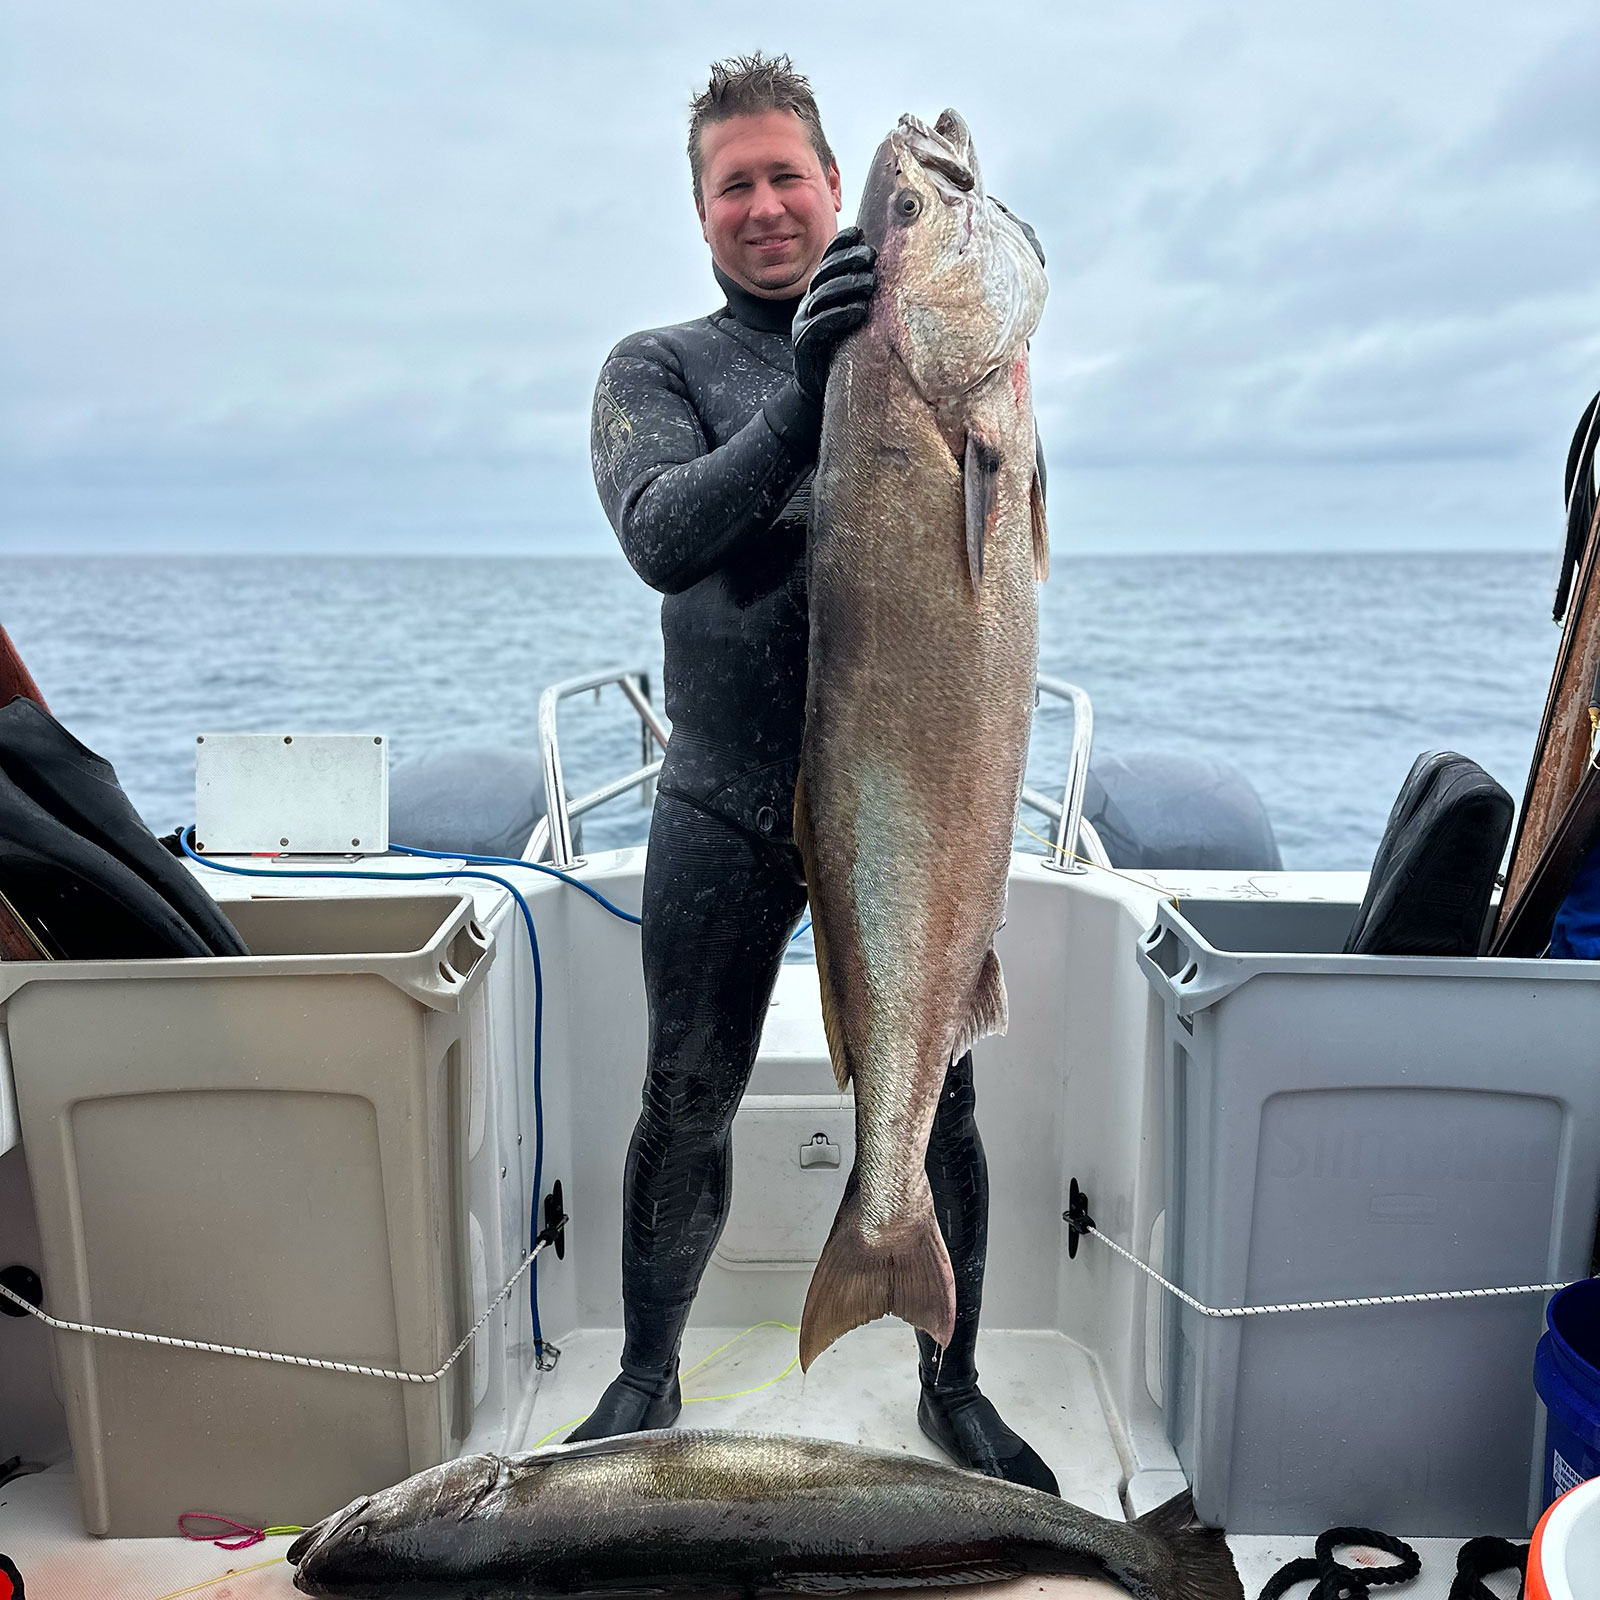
{"x":703,"y":450}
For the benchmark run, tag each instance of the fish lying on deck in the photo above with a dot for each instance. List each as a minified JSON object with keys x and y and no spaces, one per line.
{"x":927,"y":539}
{"x":732,"y":1513}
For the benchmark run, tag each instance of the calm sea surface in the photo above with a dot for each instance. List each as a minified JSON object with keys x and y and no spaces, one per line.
{"x":1321,"y":677}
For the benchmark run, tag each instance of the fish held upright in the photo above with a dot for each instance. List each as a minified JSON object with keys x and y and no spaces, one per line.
{"x":927,"y":540}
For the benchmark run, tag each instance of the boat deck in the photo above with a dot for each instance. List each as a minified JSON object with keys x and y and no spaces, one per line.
{"x":866,"y":1395}
{"x":1043,"y":1381}
{"x":1069,"y":1092}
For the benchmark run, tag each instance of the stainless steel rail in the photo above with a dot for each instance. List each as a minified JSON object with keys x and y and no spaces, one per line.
{"x":1068,"y":817}
{"x":1089,"y":842}
{"x":553,"y":836}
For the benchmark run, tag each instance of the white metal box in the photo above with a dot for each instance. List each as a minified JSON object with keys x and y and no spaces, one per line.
{"x":312,"y":793}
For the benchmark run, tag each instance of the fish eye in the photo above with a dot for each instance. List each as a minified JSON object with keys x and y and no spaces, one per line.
{"x":907,"y":204}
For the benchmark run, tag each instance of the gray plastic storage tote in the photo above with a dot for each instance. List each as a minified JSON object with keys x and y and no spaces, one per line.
{"x":1342,"y":1126}
{"x":264,"y":1151}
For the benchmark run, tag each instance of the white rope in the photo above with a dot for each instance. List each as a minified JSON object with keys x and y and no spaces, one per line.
{"x":1421,"y":1298}
{"x":354,"y":1367}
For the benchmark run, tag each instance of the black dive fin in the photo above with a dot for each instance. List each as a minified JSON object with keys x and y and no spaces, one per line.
{"x":80,"y":902}
{"x":1580,"y":500}
{"x":79,"y":789}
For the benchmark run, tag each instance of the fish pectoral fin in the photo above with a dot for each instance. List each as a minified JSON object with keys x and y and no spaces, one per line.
{"x":980,"y":470}
{"x":988,"y":1012}
{"x":1041,"y":534}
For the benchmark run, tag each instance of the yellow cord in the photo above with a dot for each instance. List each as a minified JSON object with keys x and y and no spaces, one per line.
{"x":705,"y":1361}
{"x":1072,"y":855}
{"x":739,"y":1394}
{"x":234,"y":1572}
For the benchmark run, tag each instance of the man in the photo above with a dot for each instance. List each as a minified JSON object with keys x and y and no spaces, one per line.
{"x":704,"y":440}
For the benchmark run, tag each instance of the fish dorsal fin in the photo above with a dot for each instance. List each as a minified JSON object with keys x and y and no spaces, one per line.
{"x":830,"y":1018}
{"x":988,"y":1012}
{"x":981,"y":472}
{"x":1041,"y":533}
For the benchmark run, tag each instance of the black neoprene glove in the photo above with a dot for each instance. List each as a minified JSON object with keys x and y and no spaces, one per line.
{"x":834,"y":305}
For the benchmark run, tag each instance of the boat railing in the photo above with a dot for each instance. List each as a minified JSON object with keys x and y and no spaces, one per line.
{"x":1073,"y":833}
{"x":553,"y":837}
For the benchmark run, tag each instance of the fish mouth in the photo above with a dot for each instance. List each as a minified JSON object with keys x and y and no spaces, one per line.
{"x":315,"y":1537}
{"x":945,"y":148}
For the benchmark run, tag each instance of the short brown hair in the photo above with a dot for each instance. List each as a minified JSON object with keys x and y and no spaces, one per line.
{"x":747,"y":86}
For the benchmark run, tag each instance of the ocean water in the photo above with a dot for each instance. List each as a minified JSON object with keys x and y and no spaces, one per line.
{"x":1320,"y":676}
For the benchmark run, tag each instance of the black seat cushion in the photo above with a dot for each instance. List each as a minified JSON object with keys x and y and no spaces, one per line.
{"x":1434,"y":873}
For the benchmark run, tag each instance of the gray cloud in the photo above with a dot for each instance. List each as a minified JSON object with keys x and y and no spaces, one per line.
{"x":284,"y":274}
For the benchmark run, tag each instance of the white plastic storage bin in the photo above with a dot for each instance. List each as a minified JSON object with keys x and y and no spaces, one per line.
{"x":1342,"y":1126}
{"x":266,"y":1151}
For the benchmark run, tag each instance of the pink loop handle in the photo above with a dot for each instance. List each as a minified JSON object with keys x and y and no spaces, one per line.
{"x":223,"y":1540}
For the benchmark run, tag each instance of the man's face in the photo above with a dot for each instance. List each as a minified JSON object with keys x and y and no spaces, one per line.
{"x":767,"y":209}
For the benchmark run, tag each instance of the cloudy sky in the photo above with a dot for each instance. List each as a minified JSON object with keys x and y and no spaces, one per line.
{"x":338,"y":274}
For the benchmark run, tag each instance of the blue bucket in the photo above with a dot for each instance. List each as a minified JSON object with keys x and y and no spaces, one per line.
{"x":1566,"y":1372}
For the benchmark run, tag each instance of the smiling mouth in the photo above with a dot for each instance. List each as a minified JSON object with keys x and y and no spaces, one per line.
{"x":772,"y":241}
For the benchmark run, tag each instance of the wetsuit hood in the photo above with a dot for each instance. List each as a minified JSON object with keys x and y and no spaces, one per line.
{"x":769,"y":316}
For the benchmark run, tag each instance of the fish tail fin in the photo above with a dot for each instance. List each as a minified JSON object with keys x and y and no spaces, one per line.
{"x":1196,"y":1561}
{"x":904,"y":1273}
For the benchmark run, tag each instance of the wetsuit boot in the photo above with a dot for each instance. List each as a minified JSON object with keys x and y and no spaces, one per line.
{"x":632,"y":1403}
{"x":952,"y":1410}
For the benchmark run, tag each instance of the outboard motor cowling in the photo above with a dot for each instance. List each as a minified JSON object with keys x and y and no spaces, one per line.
{"x":1179,"y":813}
{"x":482,"y":800}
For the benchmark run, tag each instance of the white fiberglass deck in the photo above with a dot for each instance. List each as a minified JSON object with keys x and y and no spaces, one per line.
{"x":864,"y":1391}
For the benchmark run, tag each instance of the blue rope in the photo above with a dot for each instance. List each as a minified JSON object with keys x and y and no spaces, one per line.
{"x":553,"y":872}
{"x":514,"y":861}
